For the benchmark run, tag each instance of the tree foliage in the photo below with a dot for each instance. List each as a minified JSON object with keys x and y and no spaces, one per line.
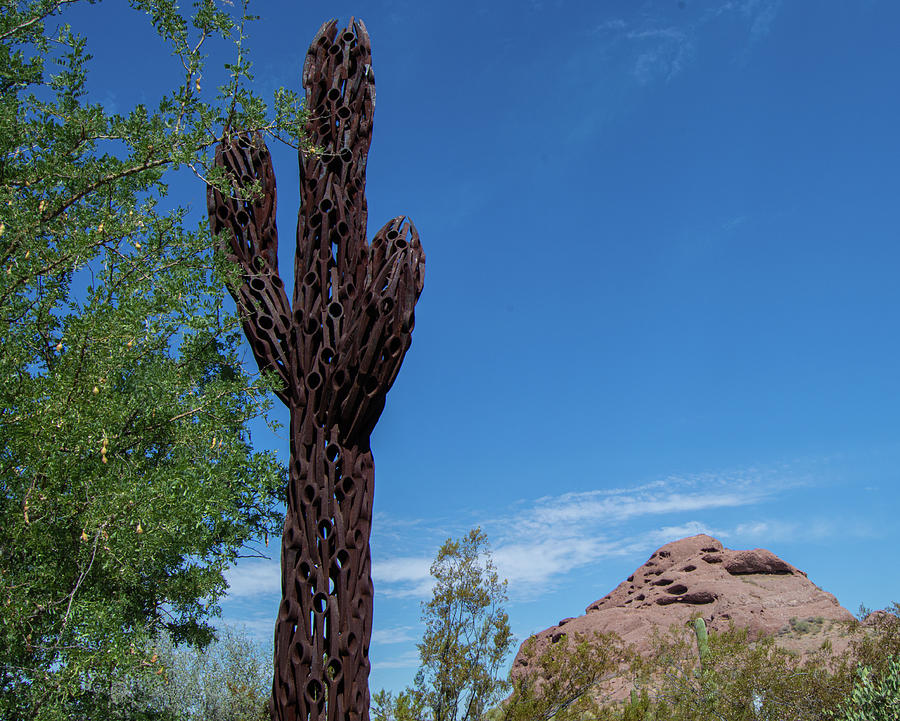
{"x":467,"y":638}
{"x":229,"y":680}
{"x":128,"y":481}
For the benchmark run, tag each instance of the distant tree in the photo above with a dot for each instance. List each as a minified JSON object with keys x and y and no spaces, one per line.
{"x":229,"y":680}
{"x":128,"y":482}
{"x":467,"y":638}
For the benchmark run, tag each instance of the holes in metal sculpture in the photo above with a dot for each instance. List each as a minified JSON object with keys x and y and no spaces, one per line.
{"x":336,"y":347}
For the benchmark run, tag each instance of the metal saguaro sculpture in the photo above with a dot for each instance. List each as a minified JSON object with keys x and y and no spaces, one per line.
{"x":336,"y":348}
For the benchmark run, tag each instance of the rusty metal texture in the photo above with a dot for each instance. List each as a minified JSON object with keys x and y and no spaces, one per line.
{"x":337,"y":348}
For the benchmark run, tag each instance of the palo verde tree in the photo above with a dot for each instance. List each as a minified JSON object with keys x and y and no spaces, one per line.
{"x":128,"y":482}
{"x":466,"y":641}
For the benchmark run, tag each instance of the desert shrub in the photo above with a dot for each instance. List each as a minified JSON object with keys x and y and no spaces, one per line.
{"x":568,"y":680}
{"x":876,"y":641}
{"x":874,"y":697}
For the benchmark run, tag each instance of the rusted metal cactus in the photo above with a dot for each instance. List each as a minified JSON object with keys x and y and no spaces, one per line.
{"x":336,"y":348}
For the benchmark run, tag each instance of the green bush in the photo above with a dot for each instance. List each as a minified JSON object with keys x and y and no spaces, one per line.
{"x":875,"y":697}
{"x":229,"y":680}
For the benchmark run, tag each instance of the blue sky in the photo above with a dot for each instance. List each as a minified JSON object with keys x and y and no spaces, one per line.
{"x":661,"y":293}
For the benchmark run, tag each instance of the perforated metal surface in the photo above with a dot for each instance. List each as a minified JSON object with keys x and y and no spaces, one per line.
{"x":337,"y":348}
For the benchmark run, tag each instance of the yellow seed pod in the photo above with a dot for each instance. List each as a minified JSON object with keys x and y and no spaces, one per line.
{"x":130,"y":343}
{"x":103,"y":458}
{"x":2,"y":228}
{"x":96,"y":390}
{"x":100,"y":227}
{"x":84,"y":536}
{"x":59,"y":346}
{"x":139,"y":530}
{"x":213,"y":443}
{"x":137,"y":245}
{"x":27,"y":252}
{"x":197,"y":85}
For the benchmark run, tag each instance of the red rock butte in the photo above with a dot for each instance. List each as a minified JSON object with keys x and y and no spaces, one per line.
{"x":752,"y":589}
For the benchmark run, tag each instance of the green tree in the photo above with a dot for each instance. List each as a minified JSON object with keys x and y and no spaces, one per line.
{"x":467,"y":638}
{"x":229,"y":680}
{"x":128,"y":482}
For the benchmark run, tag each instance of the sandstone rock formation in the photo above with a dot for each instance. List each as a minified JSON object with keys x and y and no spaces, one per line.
{"x":698,"y":575}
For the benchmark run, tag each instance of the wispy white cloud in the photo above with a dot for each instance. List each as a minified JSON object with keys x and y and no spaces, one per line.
{"x":403,"y":577}
{"x":667,"y":534}
{"x":664,"y":52}
{"x":260,"y":629}
{"x":254,"y":578}
{"x":408,"y":659}
{"x":612,"y":25}
{"x":809,"y":530}
{"x":761,"y":14}
{"x":398,"y":634}
{"x":597,"y":506}
{"x":661,"y":46}
{"x":539,"y":541}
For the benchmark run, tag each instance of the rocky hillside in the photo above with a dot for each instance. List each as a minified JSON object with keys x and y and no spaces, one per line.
{"x":753,"y":589}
